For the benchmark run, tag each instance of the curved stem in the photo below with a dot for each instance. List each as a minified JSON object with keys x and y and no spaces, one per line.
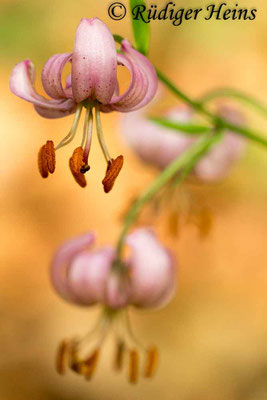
{"x":249,"y":133}
{"x":236,"y":94}
{"x":184,"y":163}
{"x":188,"y":128}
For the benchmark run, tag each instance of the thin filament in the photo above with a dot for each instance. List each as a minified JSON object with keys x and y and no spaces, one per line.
{"x":71,"y":134}
{"x":87,"y":134}
{"x":100,"y":135}
{"x":131,"y":334}
{"x":99,"y":326}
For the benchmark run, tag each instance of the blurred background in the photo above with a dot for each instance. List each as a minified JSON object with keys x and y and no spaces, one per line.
{"x":213,"y":336}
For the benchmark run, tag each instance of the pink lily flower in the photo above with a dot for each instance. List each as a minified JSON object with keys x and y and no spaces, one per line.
{"x":92,"y":84}
{"x":146,"y":279}
{"x":160,"y":146}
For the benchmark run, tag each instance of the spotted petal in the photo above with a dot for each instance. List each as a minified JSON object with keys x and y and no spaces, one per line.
{"x":94,"y":62}
{"x":144,"y":81}
{"x":53,"y":113}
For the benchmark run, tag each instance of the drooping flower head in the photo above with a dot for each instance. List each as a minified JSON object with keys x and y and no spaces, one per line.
{"x":92,"y":84}
{"x":160,"y":146}
{"x":145,"y":279}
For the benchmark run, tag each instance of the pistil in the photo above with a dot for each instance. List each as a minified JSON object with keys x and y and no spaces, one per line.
{"x":87,"y":138}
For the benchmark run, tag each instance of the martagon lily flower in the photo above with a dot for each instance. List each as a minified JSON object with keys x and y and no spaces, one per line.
{"x":146,"y":279}
{"x":160,"y":146}
{"x":92,"y":84}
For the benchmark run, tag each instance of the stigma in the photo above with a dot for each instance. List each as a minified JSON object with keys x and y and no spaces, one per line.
{"x":82,"y":355}
{"x":79,"y":161}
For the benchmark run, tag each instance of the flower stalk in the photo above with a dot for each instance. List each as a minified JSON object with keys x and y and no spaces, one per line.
{"x":237,"y":95}
{"x":183,"y":165}
{"x":199,"y":107}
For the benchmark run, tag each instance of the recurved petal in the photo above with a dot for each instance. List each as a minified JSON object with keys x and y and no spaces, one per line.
{"x":88,"y":275}
{"x":144,"y":81}
{"x":62,"y":261}
{"x":22,"y":85}
{"x":52,"y":75}
{"x":217,"y":163}
{"x":153,"y":277}
{"x":136,"y":91}
{"x":53,"y":113}
{"x":94,"y":62}
{"x":68,"y":82}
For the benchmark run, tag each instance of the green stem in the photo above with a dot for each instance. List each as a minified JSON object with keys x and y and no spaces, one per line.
{"x":183,"y":164}
{"x":236,"y":94}
{"x":217,"y":121}
{"x":248,"y":133}
{"x":191,"y":129}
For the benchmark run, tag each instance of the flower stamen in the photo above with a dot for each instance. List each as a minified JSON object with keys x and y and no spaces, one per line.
{"x":50,"y":156}
{"x":42,"y":162}
{"x":113,"y":170}
{"x":72,"y":353}
{"x":151,"y":362}
{"x":119,"y":355}
{"x":62,"y":355}
{"x":47,"y":159}
{"x":136,"y":348}
{"x":90,"y":364}
{"x":77,"y":164}
{"x":70,"y":136}
{"x":100,"y":135}
{"x":74,"y":361}
{"x":133,"y":366}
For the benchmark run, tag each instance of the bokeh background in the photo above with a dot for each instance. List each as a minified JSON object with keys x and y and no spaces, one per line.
{"x":213,"y":336}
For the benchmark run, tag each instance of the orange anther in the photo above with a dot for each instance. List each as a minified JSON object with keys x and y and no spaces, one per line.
{"x":113,"y":170}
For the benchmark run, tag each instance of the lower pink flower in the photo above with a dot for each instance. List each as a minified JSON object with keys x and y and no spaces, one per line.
{"x":145,"y":279}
